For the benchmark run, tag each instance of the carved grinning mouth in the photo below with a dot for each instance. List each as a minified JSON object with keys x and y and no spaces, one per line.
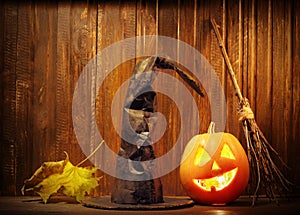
{"x":216,"y":183}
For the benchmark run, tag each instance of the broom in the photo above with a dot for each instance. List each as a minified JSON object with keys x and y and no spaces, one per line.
{"x":263,"y":169}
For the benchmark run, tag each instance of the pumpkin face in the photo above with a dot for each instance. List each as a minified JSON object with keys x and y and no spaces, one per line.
{"x":214,"y":168}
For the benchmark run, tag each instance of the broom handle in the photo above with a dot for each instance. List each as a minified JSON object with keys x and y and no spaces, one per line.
{"x":230,"y":70}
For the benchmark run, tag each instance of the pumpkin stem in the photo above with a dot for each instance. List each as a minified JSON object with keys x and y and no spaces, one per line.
{"x":211,"y":128}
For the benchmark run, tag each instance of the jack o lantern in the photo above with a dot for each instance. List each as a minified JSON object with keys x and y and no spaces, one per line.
{"x":214,"y":168}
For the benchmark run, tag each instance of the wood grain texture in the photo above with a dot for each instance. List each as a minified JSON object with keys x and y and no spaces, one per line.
{"x":264,"y":66}
{"x":83,"y":49}
{"x":235,"y":53}
{"x":187,"y":33}
{"x":279,"y":78}
{"x":44,"y":82}
{"x":45,"y":46}
{"x":1,"y":87}
{"x":111,"y":30}
{"x":24,"y":86}
{"x":288,"y":87}
{"x":63,"y":79}
{"x":8,"y":143}
{"x":295,"y":121}
{"x":168,"y":25}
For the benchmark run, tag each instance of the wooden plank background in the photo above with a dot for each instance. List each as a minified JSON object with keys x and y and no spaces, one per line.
{"x":45,"y":46}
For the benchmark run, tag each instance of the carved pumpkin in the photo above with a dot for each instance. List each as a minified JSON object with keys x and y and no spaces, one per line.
{"x":214,"y":168}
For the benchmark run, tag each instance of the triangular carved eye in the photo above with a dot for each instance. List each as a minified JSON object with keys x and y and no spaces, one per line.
{"x":227,"y":153}
{"x":202,"y":157}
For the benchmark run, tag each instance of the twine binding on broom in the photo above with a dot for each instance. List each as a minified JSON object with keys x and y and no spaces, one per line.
{"x":245,"y":111}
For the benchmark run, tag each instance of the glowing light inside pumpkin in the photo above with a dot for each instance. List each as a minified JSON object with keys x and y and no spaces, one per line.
{"x":201,"y":157}
{"x":227,"y":153}
{"x":216,"y":183}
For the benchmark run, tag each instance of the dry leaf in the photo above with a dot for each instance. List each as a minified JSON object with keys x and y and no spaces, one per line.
{"x":53,"y":176}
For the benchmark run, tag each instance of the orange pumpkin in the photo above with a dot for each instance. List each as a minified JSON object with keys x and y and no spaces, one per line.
{"x":214,"y":168}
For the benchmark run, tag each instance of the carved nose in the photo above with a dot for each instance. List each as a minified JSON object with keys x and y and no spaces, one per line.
{"x":215,"y":166}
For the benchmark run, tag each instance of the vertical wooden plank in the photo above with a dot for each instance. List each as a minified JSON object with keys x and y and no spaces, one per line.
{"x":82,"y":49}
{"x":128,"y":22}
{"x":217,"y":10}
{"x":100,"y":36}
{"x":245,"y":45}
{"x":23,"y":93}
{"x":49,"y":92}
{"x":288,"y":104}
{"x":203,"y":44}
{"x":168,"y":25}
{"x":2,"y":18}
{"x":208,"y":46}
{"x":197,"y":33}
{"x":116,"y":21}
{"x":101,"y":44}
{"x":187,"y":33}
{"x":168,"y":18}
{"x":147,"y":23}
{"x":288,"y":79}
{"x":264,"y":67}
{"x":252,"y":55}
{"x":112,"y":31}
{"x":294,"y":146}
{"x":44,"y":80}
{"x":8,"y":146}
{"x":63,"y":98}
{"x":40,"y":72}
{"x":279,"y":78}
{"x":249,"y":56}
{"x":235,"y":53}
{"x":2,"y":22}
{"x":249,"y":32}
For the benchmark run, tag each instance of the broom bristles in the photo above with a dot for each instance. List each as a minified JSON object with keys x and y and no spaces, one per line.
{"x":260,"y":160}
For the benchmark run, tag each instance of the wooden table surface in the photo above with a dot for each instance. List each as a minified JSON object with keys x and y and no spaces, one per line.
{"x":63,"y":205}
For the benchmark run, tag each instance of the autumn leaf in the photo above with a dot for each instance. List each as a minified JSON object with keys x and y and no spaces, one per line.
{"x":72,"y":180}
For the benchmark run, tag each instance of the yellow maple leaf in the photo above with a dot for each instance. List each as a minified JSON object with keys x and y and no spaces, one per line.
{"x":52,"y":176}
